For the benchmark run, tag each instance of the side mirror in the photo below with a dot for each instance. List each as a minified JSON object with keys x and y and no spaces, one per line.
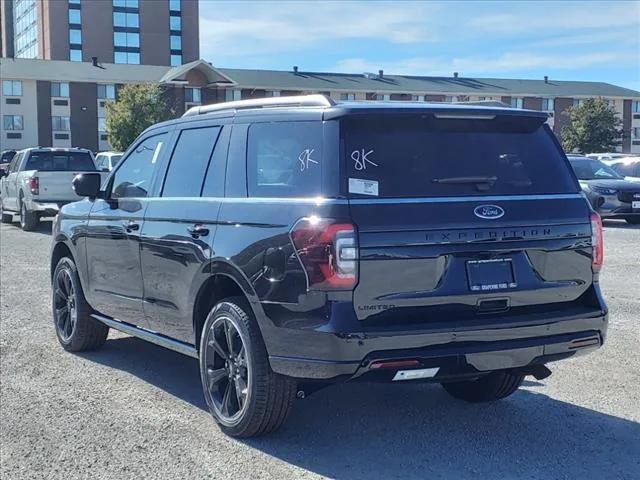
{"x":87,"y":184}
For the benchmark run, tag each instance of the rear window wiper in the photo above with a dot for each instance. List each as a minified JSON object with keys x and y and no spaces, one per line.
{"x":481,"y":183}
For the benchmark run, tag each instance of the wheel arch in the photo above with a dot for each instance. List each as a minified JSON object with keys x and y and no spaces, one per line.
{"x":223,"y":280}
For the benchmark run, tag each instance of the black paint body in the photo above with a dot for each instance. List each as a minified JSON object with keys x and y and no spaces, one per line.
{"x":139,"y":264}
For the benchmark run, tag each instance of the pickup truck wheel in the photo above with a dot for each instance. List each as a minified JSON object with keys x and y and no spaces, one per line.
{"x":28,"y":219}
{"x":487,"y":388}
{"x":244,"y":395}
{"x":75,"y":329}
{"x":6,"y":217}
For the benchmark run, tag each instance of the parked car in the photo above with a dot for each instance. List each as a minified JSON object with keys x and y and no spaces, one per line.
{"x":308,"y":243}
{"x":38,"y":182}
{"x":607,"y":156}
{"x":105,"y":161}
{"x":628,"y":167}
{"x":609,"y":193}
{"x":5,"y":158}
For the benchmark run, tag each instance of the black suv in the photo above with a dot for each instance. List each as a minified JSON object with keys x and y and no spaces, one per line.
{"x":291,"y":243}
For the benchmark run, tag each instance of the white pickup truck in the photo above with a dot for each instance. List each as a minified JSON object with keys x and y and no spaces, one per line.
{"x":38,"y":182}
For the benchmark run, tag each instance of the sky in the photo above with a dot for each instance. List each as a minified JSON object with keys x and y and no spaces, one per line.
{"x":566,"y":40}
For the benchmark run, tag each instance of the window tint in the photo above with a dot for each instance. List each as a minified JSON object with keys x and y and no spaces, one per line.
{"x":60,"y":162}
{"x":133,"y":178}
{"x":189,"y":162}
{"x":416,"y":156}
{"x":284,"y":159}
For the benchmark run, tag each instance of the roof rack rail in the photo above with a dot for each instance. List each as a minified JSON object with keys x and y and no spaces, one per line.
{"x":270,"y":102}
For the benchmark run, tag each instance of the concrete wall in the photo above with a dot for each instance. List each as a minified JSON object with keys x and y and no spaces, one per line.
{"x":97,"y":30}
{"x":84,"y":115}
{"x":154,"y":32}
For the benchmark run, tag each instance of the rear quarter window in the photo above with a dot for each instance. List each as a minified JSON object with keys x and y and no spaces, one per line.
{"x":284,"y":159}
{"x":422,"y":156}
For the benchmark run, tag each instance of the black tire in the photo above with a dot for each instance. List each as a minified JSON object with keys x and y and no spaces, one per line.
{"x":488,"y":388}
{"x":5,"y":217}
{"x":269,"y":397}
{"x":84,"y":333}
{"x":633,"y":220}
{"x":28,"y":219}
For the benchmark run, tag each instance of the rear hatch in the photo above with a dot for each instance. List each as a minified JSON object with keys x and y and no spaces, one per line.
{"x":463,"y":217}
{"x":56,"y":170}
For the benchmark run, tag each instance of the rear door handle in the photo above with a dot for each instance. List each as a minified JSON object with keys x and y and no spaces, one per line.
{"x":198,"y":230}
{"x":130,"y":226}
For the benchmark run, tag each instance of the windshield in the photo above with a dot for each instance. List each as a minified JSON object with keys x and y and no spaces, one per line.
{"x":421,"y":156}
{"x":593,"y":170}
{"x":50,"y":161}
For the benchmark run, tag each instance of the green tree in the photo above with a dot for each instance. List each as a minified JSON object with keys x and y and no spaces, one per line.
{"x":138,"y":107}
{"x":593,"y":127}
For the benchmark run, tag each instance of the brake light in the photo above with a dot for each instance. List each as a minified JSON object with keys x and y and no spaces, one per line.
{"x":34,"y":185}
{"x":597,"y":242}
{"x":328,"y":252}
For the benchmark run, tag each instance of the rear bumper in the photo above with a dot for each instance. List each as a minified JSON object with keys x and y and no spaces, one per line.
{"x":44,"y":207}
{"x":456,"y":351}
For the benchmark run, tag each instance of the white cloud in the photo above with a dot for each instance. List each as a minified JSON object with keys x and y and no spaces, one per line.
{"x":482,"y":65}
{"x":289,"y":26}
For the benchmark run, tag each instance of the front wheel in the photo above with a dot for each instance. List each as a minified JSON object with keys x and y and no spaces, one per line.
{"x":488,"y":388}
{"x":76,"y":330}
{"x":244,"y":395}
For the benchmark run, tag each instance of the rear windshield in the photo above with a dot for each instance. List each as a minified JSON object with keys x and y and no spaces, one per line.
{"x":60,"y":162}
{"x":115,"y":159}
{"x":593,"y":170}
{"x":421,"y":156}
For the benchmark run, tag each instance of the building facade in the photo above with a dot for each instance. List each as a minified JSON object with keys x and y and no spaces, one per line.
{"x":139,"y":32}
{"x":62,"y":103}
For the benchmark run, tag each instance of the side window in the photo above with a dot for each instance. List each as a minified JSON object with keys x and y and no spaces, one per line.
{"x":284,"y":159}
{"x":15,"y":163}
{"x":189,"y":162}
{"x":100,"y":162}
{"x":133,"y":178}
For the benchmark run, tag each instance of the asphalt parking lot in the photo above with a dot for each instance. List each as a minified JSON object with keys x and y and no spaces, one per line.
{"x":134,"y":410}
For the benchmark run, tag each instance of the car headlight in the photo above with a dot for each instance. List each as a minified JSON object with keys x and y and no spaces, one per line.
{"x":604,"y":191}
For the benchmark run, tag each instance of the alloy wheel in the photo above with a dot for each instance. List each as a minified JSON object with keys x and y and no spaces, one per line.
{"x":228,"y":375}
{"x":65,"y":305}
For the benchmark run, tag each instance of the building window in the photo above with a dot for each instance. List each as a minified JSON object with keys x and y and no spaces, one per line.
{"x":127,"y":20}
{"x":417,"y":98}
{"x":125,"y":3}
{"x":272,"y":93}
{"x":74,"y":2}
{"x":127,"y":57}
{"x":176,"y":60}
{"x":175,"y":23}
{"x":126,"y":39}
{"x":60,"y":124}
{"x":12,"y":88}
{"x":547,"y":104}
{"x":450,"y":99}
{"x":107,"y":92}
{"x":75,"y":55}
{"x":59,"y":89}
{"x":13,"y":122}
{"x":192,"y":95}
{"x":25,"y":23}
{"x":577,"y":102}
{"x":75,"y":36}
{"x":175,"y":6}
{"x":102,"y":124}
{"x":231,"y":95}
{"x":176,"y":42}
{"x":517,"y":102}
{"x":347,"y":96}
{"x":74,"y":16}
{"x":635,"y":106}
{"x":636,"y":132}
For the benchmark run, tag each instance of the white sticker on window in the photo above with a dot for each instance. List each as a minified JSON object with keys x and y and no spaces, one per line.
{"x":363,"y":187}
{"x":156,"y":153}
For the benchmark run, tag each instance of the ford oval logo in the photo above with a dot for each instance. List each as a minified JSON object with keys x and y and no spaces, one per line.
{"x":488,"y":212}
